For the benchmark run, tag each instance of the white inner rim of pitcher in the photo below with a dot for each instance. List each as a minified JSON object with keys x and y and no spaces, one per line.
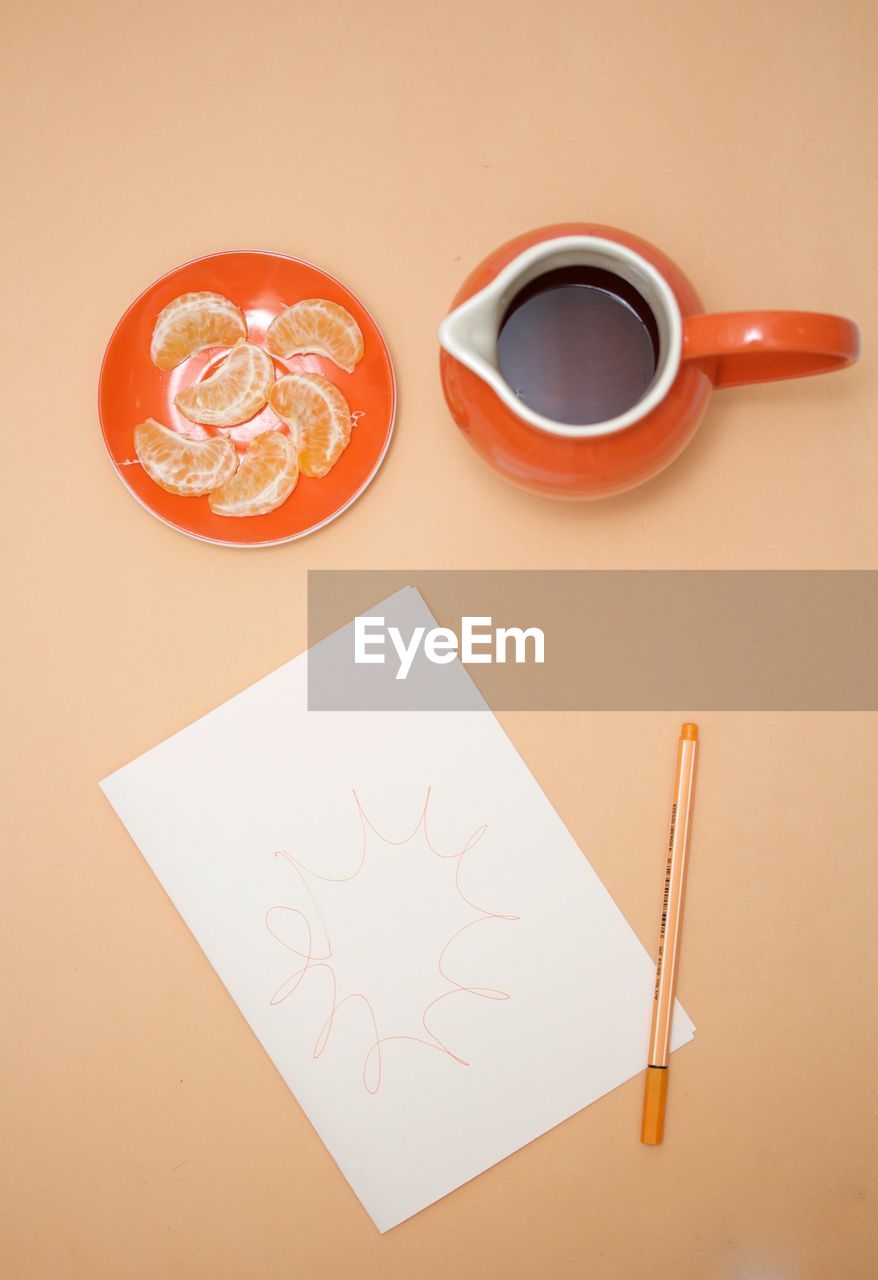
{"x":470,"y":332}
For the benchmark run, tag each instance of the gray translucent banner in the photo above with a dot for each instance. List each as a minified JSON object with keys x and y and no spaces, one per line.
{"x":628,"y":640}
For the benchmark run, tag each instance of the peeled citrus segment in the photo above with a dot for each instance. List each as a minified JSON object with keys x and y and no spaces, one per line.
{"x":319,"y":327}
{"x":233,"y":394}
{"x":266,"y":477}
{"x":318,"y":415}
{"x":179,"y":465}
{"x":192,"y":322}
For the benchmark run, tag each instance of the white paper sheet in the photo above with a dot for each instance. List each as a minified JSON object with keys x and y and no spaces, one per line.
{"x":405,"y":922}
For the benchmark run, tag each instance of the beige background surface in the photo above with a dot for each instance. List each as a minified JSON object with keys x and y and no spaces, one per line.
{"x":144,"y":1132}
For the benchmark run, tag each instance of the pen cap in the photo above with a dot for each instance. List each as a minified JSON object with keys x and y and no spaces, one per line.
{"x":654,"y":1095}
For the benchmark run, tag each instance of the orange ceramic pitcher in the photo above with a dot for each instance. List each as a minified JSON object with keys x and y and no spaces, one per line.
{"x":696,"y":353}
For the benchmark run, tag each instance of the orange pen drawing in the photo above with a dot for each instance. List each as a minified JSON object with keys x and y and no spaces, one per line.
{"x":316,"y":950}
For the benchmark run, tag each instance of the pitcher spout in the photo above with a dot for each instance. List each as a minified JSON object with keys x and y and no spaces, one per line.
{"x":469,"y":332}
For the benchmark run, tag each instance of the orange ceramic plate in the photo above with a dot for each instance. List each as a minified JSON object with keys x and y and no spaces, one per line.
{"x":132,"y":389}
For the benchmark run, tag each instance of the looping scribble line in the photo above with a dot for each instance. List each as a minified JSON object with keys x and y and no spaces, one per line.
{"x":317,"y":953}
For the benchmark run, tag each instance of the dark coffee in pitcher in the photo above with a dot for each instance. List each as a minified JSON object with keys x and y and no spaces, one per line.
{"x":578,"y":345}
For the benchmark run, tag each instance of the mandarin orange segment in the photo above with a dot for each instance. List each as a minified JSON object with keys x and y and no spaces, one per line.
{"x":319,"y":327}
{"x":234,"y":393}
{"x":317,"y":414}
{"x":192,"y":322}
{"x":186,"y":467}
{"x":266,"y":477}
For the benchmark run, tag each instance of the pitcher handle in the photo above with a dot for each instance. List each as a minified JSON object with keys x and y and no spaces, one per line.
{"x":738,"y":347}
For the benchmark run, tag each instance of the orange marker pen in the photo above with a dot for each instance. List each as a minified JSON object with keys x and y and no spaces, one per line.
{"x":656,"y":1088}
